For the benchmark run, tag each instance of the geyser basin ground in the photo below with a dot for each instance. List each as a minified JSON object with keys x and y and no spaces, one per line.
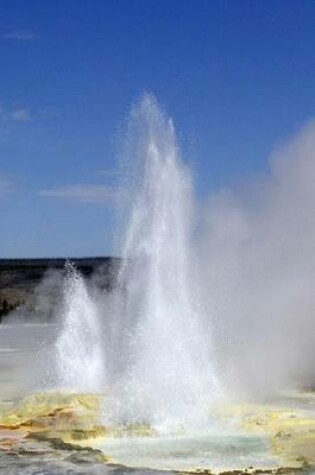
{"x":67,"y":429}
{"x":215,"y":452}
{"x":266,"y":437}
{"x":56,"y":427}
{"x":54,"y":432}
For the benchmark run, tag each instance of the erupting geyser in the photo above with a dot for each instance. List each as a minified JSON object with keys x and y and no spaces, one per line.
{"x":79,"y":347}
{"x":167,"y":375}
{"x":144,"y":350}
{"x":159,"y":366}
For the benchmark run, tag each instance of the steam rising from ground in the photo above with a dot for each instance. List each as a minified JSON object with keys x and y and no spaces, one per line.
{"x":258,"y":266}
{"x":253,"y":296}
{"x":255,"y":256}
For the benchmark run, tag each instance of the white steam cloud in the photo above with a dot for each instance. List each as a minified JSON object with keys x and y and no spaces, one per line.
{"x":258,"y":263}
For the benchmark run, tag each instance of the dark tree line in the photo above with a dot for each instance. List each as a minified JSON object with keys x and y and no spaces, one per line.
{"x":6,"y":308}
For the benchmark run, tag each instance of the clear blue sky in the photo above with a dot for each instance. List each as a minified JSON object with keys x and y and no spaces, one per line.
{"x":236,"y":76}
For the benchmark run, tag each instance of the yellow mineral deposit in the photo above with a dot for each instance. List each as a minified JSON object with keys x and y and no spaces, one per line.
{"x":290,"y":428}
{"x":72,"y":421}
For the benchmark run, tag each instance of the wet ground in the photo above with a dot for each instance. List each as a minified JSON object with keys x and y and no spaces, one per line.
{"x":53,"y":433}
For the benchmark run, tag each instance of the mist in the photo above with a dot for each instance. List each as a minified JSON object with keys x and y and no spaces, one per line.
{"x":254,"y":256}
{"x":257,"y":262}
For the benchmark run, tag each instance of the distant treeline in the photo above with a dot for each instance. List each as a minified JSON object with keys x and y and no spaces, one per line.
{"x":83,"y":263}
{"x":21,"y":278}
{"x":13,"y":272}
{"x":6,"y":308}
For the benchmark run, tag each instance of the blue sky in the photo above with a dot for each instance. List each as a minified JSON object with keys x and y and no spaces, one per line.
{"x":236,"y":76}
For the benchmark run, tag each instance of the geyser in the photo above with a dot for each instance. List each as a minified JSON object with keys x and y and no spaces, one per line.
{"x":166,"y":372}
{"x":159,"y":364}
{"x":79,"y":345}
